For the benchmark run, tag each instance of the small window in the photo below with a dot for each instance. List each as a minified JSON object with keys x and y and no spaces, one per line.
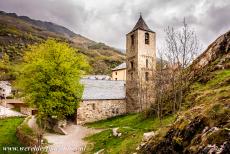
{"x":146,"y":76}
{"x":132,"y":39}
{"x":117,"y":111}
{"x":116,"y":73}
{"x":115,"y":78}
{"x":132,"y":64}
{"x":113,"y":110}
{"x":146,"y":38}
{"x":147,"y":63}
{"x":93,"y":106}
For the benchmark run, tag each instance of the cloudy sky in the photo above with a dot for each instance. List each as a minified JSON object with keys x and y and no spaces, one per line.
{"x":109,"y":20}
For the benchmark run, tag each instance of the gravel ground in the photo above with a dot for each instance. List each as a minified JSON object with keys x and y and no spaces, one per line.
{"x":6,"y":112}
{"x":72,"y":143}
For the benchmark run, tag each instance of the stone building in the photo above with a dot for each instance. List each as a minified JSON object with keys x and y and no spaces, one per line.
{"x":132,"y":87}
{"x":119,"y":72}
{"x":102,"y":99}
{"x":141,"y":65}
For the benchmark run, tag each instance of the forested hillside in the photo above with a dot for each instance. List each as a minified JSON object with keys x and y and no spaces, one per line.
{"x":17,"y":32}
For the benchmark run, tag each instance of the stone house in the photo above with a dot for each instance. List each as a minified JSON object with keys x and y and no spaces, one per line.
{"x":119,"y":72}
{"x":101,"y":99}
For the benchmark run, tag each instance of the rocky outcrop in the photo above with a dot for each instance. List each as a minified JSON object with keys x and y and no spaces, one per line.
{"x":204,"y":128}
{"x":213,"y":55}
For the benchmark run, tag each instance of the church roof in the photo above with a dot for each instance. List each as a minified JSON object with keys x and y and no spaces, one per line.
{"x":103,"y":89}
{"x":97,"y":77}
{"x":141,"y":25}
{"x":120,"y":67}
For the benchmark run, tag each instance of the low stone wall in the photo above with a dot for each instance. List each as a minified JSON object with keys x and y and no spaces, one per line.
{"x":27,"y":110}
{"x":25,"y":134}
{"x":94,"y":110}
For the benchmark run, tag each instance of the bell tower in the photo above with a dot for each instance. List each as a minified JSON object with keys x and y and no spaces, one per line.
{"x":141,"y":66}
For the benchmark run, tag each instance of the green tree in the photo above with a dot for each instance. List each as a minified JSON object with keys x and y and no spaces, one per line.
{"x":5,"y":67}
{"x":49,"y":78}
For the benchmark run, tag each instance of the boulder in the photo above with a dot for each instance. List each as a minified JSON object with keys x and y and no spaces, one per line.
{"x":62,"y":123}
{"x":147,"y":136}
{"x":115,"y":132}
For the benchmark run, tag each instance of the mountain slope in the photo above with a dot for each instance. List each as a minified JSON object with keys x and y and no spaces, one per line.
{"x":17,"y":32}
{"x":204,"y":125}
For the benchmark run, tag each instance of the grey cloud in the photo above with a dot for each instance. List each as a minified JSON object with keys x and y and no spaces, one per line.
{"x":109,"y":20}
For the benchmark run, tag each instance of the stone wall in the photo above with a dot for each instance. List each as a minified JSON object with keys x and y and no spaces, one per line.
{"x":94,"y":110}
{"x":27,"y":110}
{"x":25,"y":134}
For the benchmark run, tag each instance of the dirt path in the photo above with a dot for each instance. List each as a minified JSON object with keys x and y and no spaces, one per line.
{"x":72,"y":143}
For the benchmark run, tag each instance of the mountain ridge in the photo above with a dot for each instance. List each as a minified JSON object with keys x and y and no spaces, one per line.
{"x":18,"y":32}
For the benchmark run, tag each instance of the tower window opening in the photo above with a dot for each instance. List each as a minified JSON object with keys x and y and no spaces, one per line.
{"x":146,"y":76}
{"x":147,"y":63}
{"x":146,"y":38}
{"x":132,"y":39}
{"x":132,"y":64}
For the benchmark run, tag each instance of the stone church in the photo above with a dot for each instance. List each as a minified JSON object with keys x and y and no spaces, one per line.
{"x":104,"y":98}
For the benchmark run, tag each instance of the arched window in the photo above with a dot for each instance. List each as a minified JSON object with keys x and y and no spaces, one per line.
{"x":132,"y":39}
{"x":146,"y":38}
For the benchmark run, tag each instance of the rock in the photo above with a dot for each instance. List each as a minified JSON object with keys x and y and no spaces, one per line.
{"x":148,"y":136}
{"x":115,"y":132}
{"x":142,"y":144}
{"x":59,"y":130}
{"x":225,"y":148}
{"x":207,"y":132}
{"x":119,"y":134}
{"x":99,"y":152}
{"x":205,"y":129}
{"x":62,"y":123}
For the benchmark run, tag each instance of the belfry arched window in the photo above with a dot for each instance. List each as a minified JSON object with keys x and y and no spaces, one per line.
{"x":132,"y":39}
{"x":146,"y":38}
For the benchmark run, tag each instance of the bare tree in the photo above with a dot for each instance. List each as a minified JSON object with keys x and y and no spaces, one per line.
{"x":181,"y":48}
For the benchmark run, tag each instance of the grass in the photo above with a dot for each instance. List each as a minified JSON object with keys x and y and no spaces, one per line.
{"x":216,"y":89}
{"x":219,"y":79}
{"x":8,"y":134}
{"x":132,"y":128}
